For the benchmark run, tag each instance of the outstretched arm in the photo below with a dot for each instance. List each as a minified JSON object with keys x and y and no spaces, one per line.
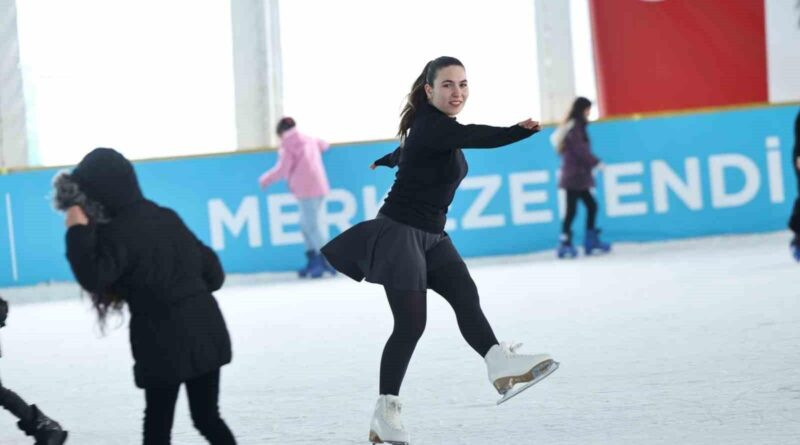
{"x":390,"y":160}
{"x":279,"y":171}
{"x":451,"y":134}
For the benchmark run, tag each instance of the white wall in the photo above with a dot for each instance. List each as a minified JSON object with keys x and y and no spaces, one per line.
{"x":783,"y":49}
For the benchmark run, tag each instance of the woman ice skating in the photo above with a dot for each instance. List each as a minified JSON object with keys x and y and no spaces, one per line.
{"x":577,"y":162}
{"x":32,"y":421}
{"x":407,"y":251}
{"x":143,"y":255}
{"x":300,"y":162}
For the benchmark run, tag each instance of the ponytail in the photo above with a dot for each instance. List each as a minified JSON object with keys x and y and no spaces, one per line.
{"x":415,"y":99}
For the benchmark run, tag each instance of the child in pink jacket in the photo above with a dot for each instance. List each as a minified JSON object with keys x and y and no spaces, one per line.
{"x":300,"y":161}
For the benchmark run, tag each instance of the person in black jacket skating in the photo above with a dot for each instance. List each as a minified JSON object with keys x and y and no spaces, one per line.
{"x":794,"y":220}
{"x":406,"y":249}
{"x":143,"y":254}
{"x":33,"y":422}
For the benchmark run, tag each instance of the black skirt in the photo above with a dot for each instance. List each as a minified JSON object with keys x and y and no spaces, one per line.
{"x":386,"y":252}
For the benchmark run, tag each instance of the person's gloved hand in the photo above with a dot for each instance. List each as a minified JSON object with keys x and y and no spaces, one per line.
{"x":3,"y":312}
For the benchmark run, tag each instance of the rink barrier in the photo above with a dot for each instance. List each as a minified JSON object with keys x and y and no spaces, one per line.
{"x":665,"y":177}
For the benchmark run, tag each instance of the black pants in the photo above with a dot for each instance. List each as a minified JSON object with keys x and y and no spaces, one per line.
{"x":794,"y":220}
{"x":14,"y":403}
{"x":572,"y":207}
{"x":409,"y":309}
{"x":203,"y":393}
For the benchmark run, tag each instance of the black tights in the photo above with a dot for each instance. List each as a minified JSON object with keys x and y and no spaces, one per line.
{"x":203,"y":393}
{"x":572,"y":206}
{"x":409,"y":309}
{"x":14,"y":403}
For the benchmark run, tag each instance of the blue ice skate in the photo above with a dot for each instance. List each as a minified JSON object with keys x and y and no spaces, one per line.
{"x":316,"y":265}
{"x":795,"y":248}
{"x":566,"y":250}
{"x":302,"y":273}
{"x":592,"y":242}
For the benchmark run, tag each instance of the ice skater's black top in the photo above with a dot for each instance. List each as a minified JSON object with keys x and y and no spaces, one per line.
{"x":431,"y":166}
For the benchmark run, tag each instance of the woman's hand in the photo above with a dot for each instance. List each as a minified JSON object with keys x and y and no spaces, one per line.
{"x":373,"y":166}
{"x":797,"y":163}
{"x":76,"y":216}
{"x":530,"y":124}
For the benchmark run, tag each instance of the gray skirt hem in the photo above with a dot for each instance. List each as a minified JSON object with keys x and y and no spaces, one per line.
{"x":389,"y":253}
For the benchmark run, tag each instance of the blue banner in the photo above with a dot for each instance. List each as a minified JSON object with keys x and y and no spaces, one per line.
{"x":663,"y":177}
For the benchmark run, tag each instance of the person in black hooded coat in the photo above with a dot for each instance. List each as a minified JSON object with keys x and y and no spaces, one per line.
{"x":143,"y":254}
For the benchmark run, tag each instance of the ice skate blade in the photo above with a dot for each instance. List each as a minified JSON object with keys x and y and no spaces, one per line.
{"x":373,"y":437}
{"x":529,"y":379}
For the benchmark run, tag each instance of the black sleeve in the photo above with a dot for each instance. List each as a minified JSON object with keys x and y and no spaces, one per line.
{"x":213,"y":274}
{"x":390,"y":160}
{"x":96,"y":265}
{"x":450,"y":134}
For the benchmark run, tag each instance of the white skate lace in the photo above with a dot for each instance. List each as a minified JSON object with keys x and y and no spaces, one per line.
{"x":391,"y":414}
{"x":510,"y":349}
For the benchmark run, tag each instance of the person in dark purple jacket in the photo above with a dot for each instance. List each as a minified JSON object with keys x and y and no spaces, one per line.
{"x":577,"y":163}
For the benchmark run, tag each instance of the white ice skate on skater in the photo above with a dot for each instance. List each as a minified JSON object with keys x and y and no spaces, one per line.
{"x":386,"y":425}
{"x":512,"y":373}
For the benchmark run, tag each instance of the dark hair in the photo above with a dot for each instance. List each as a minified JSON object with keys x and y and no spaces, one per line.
{"x":417,"y":97}
{"x":286,"y":123}
{"x":578,"y":110}
{"x":67,"y":193}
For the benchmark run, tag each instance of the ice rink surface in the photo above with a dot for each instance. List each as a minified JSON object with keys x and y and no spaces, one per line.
{"x":686,"y":342}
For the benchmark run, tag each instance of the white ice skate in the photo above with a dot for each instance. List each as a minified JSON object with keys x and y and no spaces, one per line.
{"x":512,"y":373}
{"x":386,"y":425}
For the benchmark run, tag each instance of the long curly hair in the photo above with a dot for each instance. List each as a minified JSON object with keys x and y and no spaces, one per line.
{"x":67,"y":193}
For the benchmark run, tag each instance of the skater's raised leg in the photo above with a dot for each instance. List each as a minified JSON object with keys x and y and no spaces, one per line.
{"x":505,"y":367}
{"x":454,"y":283}
{"x":511,"y":373}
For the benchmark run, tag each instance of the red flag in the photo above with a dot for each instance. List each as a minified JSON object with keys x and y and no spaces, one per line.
{"x":654,"y":55}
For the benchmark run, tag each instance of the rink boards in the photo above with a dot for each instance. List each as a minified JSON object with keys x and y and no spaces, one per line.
{"x":665,"y":177}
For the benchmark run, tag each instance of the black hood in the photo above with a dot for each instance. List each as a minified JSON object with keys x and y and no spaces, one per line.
{"x":108,"y":178}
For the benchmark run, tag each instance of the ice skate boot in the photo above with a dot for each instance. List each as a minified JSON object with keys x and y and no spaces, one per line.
{"x":316,"y":266}
{"x":386,"y":425}
{"x":45,"y":430}
{"x":511,"y":373}
{"x":565,"y":247}
{"x":304,"y":271}
{"x":794,"y":246}
{"x":592,"y":242}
